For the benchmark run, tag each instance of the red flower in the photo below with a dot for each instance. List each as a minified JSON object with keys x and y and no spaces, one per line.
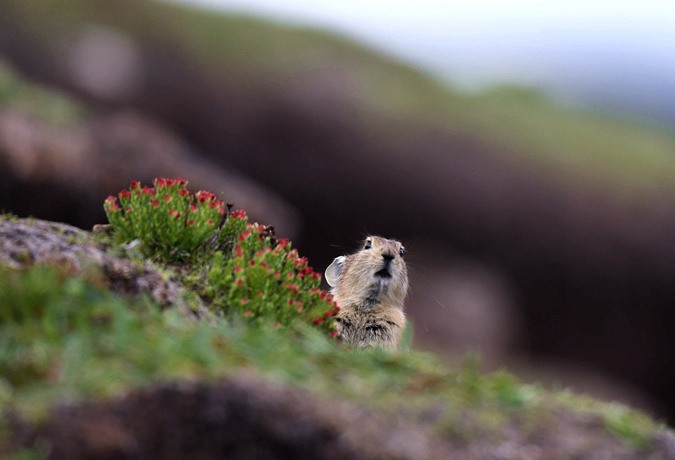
{"x":292,"y":287}
{"x":183,"y":192}
{"x":111,"y":204}
{"x":318,"y":321}
{"x":243,"y":301}
{"x":333,"y":334}
{"x":209,"y":222}
{"x":154,"y":203}
{"x":239,"y":282}
{"x":239,"y":214}
{"x":205,"y":196}
{"x":300,"y":262}
{"x":244,"y":235}
{"x":191,"y":222}
{"x":247,"y":313}
{"x":237,"y":269}
{"x":125,"y":194}
{"x":167,"y":198}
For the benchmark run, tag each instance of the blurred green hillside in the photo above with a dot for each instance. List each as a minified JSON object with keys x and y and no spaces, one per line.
{"x":256,"y":55}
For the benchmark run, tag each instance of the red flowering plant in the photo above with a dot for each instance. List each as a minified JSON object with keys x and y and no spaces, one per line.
{"x":264,"y":279}
{"x":237,"y":266}
{"x":167,"y":219}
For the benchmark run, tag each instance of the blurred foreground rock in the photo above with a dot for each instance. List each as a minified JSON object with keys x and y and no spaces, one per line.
{"x":246,"y":417}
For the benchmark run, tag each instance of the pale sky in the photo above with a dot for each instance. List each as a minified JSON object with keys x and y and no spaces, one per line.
{"x":480,"y":41}
{"x":575,"y":48}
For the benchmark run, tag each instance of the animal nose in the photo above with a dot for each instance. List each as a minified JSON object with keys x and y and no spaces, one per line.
{"x":388,"y":257}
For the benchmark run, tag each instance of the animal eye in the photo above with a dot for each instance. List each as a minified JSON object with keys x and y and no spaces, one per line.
{"x":401,"y":251}
{"x":368,"y":245}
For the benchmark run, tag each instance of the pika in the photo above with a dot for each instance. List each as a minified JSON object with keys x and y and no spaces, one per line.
{"x":370,"y":287}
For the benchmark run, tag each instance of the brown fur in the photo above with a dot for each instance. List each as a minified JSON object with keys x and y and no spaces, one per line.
{"x":370,"y":287}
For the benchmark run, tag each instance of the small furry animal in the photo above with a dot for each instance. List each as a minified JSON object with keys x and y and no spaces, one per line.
{"x":370,"y":287}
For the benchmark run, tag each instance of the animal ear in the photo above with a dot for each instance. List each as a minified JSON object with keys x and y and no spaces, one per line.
{"x":334,"y":271}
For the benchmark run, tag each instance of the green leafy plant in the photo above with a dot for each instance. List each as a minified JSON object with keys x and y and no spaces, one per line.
{"x":235,"y":266}
{"x":167,"y":219}
{"x":262,"y":278}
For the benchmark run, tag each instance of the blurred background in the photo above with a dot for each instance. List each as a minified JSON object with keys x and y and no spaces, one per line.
{"x":523,"y":152}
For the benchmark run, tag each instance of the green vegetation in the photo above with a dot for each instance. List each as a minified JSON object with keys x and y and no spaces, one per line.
{"x":171,"y":223}
{"x":43,"y":103}
{"x":233,"y":265}
{"x":66,"y":337}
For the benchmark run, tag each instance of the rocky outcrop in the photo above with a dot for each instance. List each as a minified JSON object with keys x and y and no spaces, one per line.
{"x":27,"y":242}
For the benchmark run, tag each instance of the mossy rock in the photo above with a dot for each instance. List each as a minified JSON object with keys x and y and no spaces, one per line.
{"x":90,"y":372}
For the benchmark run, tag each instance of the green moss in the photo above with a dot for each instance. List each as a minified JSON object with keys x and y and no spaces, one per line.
{"x":65,"y":338}
{"x":634,"y":427}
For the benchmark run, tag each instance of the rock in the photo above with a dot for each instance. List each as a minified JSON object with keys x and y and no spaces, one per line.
{"x":248,"y":417}
{"x":239,"y":418}
{"x":26,"y":242}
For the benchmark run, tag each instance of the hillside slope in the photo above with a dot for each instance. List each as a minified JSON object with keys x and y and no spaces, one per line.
{"x":571,"y":211}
